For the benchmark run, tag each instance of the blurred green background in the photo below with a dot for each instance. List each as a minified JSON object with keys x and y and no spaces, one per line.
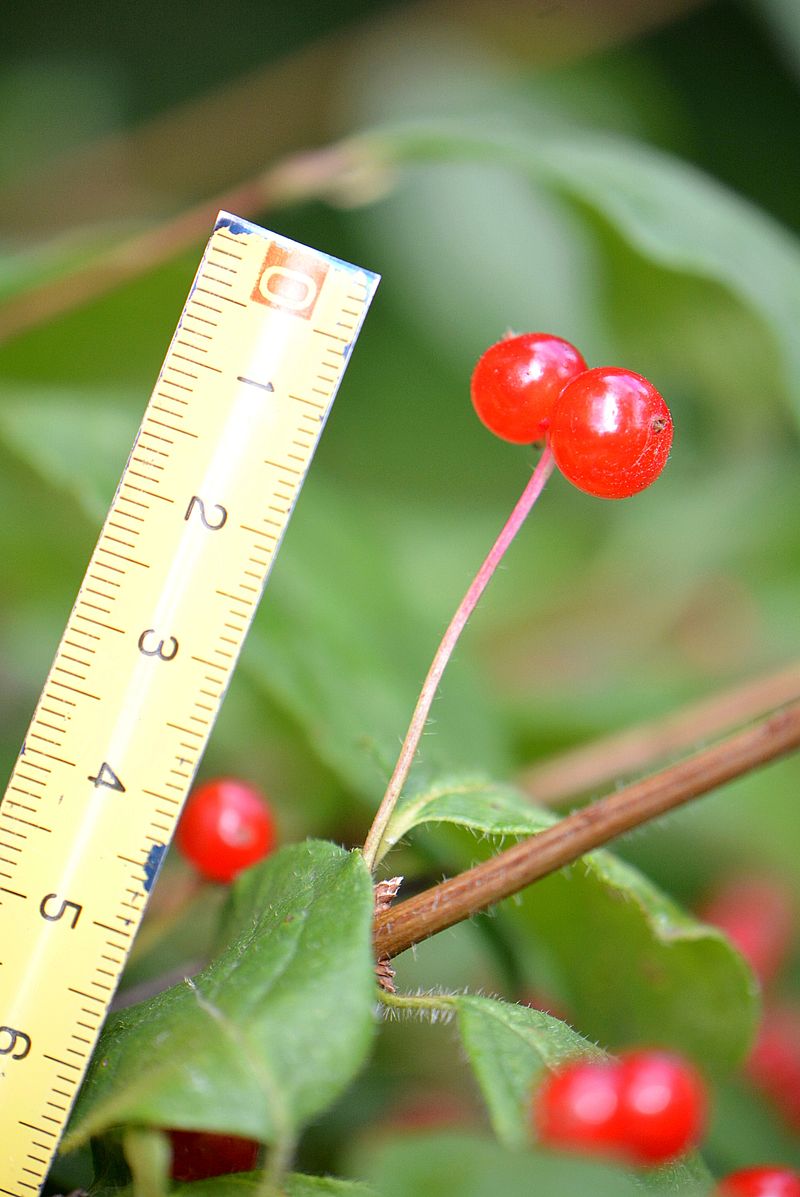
{"x":648,"y":209}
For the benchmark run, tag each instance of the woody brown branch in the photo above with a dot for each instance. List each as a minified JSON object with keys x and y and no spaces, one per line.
{"x":507,"y":873}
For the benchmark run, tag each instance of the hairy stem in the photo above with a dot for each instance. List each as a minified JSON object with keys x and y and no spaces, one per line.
{"x":465,"y":608}
{"x":458,"y":898}
{"x":417,"y":1003}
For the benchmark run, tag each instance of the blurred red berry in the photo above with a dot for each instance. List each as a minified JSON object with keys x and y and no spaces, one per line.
{"x":774,"y":1064}
{"x":197,"y":1155}
{"x":610,"y":432}
{"x":663,"y":1106}
{"x":577,"y":1108}
{"x":647,"y":1108}
{"x":757,"y":914}
{"x":226,"y":826}
{"x":517,"y":381}
{"x":760,"y":1182}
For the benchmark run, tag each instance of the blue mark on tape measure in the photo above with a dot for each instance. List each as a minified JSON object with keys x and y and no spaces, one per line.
{"x":152,"y":865}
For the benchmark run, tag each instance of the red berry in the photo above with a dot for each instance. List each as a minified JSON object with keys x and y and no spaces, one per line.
{"x":757,"y":914}
{"x":774,"y":1064}
{"x":760,"y":1182}
{"x":647,"y":1108}
{"x":577,"y":1108}
{"x":610,"y":432}
{"x":517,"y":381}
{"x":197,"y":1155}
{"x":662,"y":1107}
{"x":226,"y":826}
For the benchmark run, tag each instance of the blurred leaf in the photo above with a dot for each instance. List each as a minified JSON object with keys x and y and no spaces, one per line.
{"x":266,"y":1036}
{"x":451,"y":1165}
{"x":311,"y":1186}
{"x":251,"y":1184}
{"x":669,"y":211}
{"x":783,"y":16}
{"x":339,"y":646}
{"x":635,"y":968}
{"x":76,"y":441}
{"x":746,"y":1130}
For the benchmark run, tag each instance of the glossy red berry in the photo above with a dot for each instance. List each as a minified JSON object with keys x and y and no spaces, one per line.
{"x":610,"y":432}
{"x":663,"y":1107}
{"x":226,"y":826}
{"x":198,"y":1155}
{"x":647,"y":1108}
{"x":760,"y":1182}
{"x":577,"y":1108}
{"x":757,"y":914}
{"x":517,"y":381}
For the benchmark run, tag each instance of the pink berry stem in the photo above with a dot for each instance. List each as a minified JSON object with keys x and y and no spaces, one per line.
{"x":465,"y":608}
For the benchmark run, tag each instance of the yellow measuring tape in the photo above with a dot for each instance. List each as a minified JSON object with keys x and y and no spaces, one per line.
{"x":151,"y":643}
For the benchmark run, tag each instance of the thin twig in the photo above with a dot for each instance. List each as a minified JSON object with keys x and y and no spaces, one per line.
{"x":561,"y":778}
{"x":340,"y":168}
{"x":530,"y":494}
{"x":458,"y":898}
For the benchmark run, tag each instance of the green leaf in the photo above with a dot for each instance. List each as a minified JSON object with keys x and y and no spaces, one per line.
{"x":250,"y":1184}
{"x":470,"y":802}
{"x":509,"y":1048}
{"x":633,"y":967}
{"x":266,"y":1036}
{"x":453,"y":1165}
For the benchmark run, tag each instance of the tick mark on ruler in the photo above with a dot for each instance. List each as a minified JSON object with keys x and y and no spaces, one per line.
{"x":226,"y":298}
{"x":178,"y":386}
{"x":310,"y":402}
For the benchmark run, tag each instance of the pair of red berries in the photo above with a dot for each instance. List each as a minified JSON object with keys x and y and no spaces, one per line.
{"x":646,"y":1108}
{"x":609,"y":429}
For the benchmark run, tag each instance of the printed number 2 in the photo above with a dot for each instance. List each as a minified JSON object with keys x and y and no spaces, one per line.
{"x":213,"y":526}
